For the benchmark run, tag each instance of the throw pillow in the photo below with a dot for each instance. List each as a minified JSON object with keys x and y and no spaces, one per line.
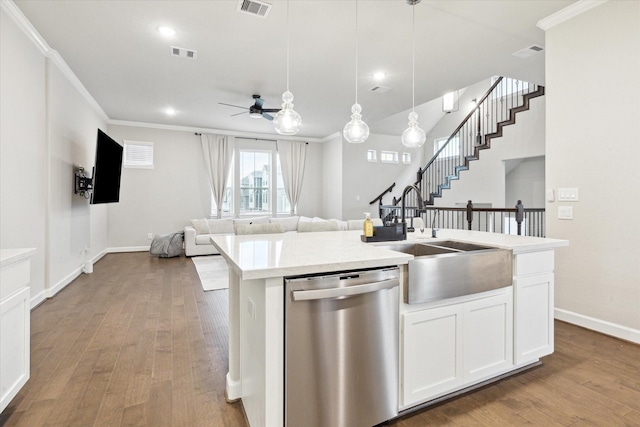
{"x":220,"y":226}
{"x":289,"y":223}
{"x":243,"y":229}
{"x":200,"y":225}
{"x":329,"y":225}
{"x":257,"y":220}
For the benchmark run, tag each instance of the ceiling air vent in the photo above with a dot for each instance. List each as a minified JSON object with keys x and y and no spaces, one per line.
{"x":184,"y":53}
{"x":529,"y":51}
{"x":254,"y":7}
{"x":380,"y":89}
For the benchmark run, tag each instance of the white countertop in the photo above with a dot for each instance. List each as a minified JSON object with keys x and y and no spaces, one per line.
{"x":290,"y":254}
{"x":9,"y":256}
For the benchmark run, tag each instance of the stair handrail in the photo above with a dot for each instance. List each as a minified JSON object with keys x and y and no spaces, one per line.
{"x":379,"y":198}
{"x":462,"y":123}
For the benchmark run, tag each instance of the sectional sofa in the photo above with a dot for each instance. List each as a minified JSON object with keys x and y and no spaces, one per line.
{"x":197,"y":236}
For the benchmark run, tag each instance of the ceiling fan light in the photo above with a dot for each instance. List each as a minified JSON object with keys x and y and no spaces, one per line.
{"x":287,"y":121}
{"x":356,"y":131}
{"x":255,"y":115}
{"x":413,"y":136}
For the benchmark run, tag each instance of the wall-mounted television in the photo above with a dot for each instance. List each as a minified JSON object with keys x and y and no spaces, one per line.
{"x":107,"y":170}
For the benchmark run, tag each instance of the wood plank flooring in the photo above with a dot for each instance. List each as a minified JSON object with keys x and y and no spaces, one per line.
{"x":139,"y":343}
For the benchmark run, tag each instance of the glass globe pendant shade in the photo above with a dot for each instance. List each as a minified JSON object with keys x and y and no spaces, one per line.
{"x":413,"y":136}
{"x":287,"y":121}
{"x":356,"y":131}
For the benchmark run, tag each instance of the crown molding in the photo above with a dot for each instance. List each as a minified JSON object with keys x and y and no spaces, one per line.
{"x":51,"y":54}
{"x":568,"y":13}
{"x":238,"y":134}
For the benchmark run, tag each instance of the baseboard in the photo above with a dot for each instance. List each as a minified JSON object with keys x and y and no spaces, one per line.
{"x":36,"y":300}
{"x":128,"y":249}
{"x":602,"y":326}
{"x":50,"y":292}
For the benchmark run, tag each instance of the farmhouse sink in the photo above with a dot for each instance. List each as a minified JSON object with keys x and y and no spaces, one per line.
{"x":449,"y":269}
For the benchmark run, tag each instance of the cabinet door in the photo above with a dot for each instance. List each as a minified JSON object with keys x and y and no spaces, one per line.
{"x":14,"y":345}
{"x":533,"y":317}
{"x":432,"y":353}
{"x":488,"y":331}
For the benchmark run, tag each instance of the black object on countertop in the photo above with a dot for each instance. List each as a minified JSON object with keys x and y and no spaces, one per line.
{"x":386,"y":233}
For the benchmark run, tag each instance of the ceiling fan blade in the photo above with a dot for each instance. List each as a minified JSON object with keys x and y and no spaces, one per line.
{"x":237,"y":114}
{"x":231,"y":105}
{"x":270,"y":110}
{"x":267,"y":116}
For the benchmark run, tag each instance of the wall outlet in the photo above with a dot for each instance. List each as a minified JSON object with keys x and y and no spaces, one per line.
{"x":150,"y":236}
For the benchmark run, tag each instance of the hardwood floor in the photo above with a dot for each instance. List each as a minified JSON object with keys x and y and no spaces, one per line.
{"x":139,"y":343}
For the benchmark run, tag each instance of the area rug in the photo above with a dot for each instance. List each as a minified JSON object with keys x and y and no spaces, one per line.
{"x":213,"y":272}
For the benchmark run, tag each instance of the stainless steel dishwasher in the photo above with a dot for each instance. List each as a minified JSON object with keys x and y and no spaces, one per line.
{"x":341,"y":348}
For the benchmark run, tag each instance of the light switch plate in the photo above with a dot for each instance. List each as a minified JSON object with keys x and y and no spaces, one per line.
{"x":565,"y":212}
{"x":550,"y":195}
{"x":568,"y":195}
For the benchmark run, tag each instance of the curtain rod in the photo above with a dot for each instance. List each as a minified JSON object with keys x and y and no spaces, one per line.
{"x":255,"y":139}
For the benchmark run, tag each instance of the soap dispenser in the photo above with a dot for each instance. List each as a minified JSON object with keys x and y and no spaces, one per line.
{"x":367,"y":227}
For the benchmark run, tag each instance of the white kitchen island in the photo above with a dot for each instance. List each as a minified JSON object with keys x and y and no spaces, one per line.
{"x":258,"y":265}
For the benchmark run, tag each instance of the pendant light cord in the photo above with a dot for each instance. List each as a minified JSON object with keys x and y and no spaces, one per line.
{"x":356,"y":51}
{"x":287,"y":45}
{"x":413,"y":55}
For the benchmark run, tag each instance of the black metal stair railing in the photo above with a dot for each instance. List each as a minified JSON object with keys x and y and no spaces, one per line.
{"x":497,"y":108}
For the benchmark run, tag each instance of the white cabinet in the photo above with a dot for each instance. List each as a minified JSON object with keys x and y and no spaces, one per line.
{"x":534,"y":303}
{"x":447,"y":348}
{"x":14,"y":326}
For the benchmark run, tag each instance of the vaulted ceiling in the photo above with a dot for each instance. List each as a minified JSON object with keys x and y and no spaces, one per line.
{"x":115,"y":50}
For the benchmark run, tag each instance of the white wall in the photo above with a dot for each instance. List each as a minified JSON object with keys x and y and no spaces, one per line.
{"x":332,"y":178}
{"x":485,"y":182}
{"x":47,"y":127}
{"x":362,"y":180}
{"x":163,"y":199}
{"x":525,"y":182}
{"x":23,"y":148}
{"x":593,"y":143}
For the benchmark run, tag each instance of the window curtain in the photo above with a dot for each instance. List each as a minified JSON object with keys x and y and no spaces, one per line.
{"x":292,"y":160}
{"x":218,"y":153}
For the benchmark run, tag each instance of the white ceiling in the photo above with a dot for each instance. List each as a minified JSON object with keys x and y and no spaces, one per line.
{"x":117,"y":53}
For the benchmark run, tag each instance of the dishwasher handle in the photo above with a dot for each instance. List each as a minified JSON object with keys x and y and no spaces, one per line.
{"x":345,"y":291}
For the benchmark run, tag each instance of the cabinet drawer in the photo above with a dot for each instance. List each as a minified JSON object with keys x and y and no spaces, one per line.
{"x":533,"y":263}
{"x":13,"y":277}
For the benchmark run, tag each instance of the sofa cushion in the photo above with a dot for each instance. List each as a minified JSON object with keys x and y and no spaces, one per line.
{"x":256,"y":220}
{"x":213,"y":226}
{"x":203,"y":239}
{"x":242,"y":229}
{"x":289,"y":223}
{"x":342,"y":225}
{"x":357,"y":224}
{"x":328,"y":225}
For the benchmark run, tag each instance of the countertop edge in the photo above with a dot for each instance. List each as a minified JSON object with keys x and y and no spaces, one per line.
{"x":11,"y":256}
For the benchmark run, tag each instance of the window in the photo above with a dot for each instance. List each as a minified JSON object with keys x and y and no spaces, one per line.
{"x":372,"y":155}
{"x":255,"y":179}
{"x":389,"y":156}
{"x":452,"y":149}
{"x":138,"y":154}
{"x":406,"y":158}
{"x":254,"y":186}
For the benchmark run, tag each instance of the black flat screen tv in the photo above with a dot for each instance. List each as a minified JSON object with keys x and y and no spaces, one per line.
{"x":107,"y":170}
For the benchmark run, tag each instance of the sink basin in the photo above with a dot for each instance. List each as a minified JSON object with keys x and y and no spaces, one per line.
{"x":419,"y":249}
{"x":449,"y":269}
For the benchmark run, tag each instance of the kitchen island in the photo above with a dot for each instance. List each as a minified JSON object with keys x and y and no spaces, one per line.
{"x":258,"y":265}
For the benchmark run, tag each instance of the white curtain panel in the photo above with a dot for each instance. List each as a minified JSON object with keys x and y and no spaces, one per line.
{"x":292,"y":159}
{"x":218,"y":153}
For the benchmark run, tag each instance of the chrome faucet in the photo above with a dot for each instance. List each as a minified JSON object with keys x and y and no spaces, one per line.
{"x":420,"y":207}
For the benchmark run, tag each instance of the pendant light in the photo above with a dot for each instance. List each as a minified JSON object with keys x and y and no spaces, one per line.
{"x":356,"y":131}
{"x":287,"y":121}
{"x":413,"y":136}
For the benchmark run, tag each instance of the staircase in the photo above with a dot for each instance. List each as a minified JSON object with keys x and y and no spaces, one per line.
{"x":496,"y":109}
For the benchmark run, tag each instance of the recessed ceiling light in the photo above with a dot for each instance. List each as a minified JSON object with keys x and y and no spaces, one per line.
{"x":167,"y":32}
{"x":170,"y":112}
{"x":380,"y":75}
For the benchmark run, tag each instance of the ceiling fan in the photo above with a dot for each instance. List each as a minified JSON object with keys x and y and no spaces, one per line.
{"x":255,"y":111}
